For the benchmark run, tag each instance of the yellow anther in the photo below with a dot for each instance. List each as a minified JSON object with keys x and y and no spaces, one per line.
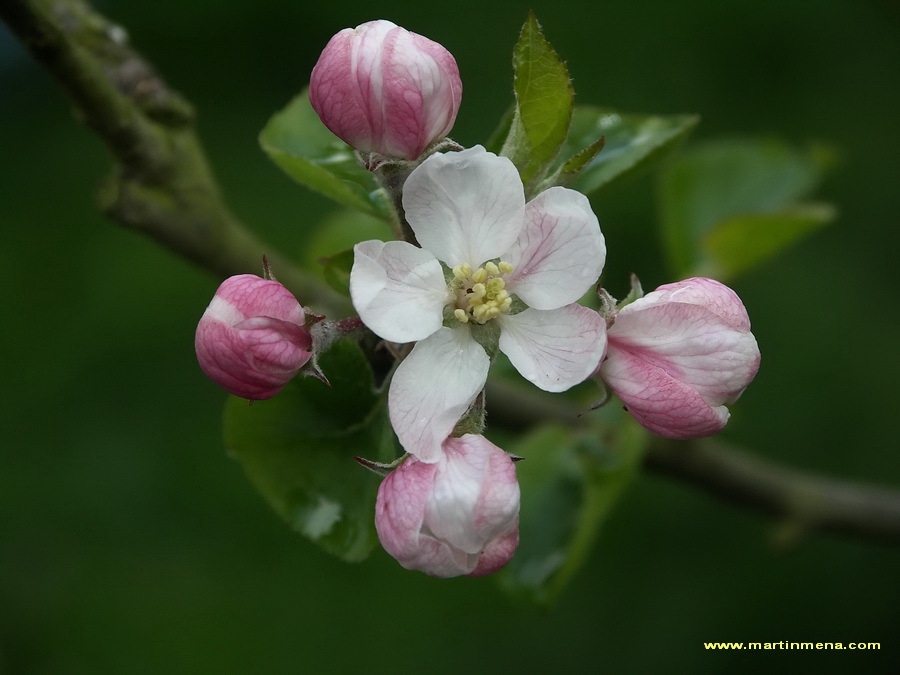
{"x":494,"y":286}
{"x":462,"y":272}
{"x":480,"y":295}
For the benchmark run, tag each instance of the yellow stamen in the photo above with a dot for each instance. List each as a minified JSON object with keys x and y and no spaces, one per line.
{"x":494,"y":286}
{"x":480,"y":295}
{"x":462,"y":272}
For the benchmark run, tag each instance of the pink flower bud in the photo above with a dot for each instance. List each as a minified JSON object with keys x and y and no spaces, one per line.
{"x":251,"y":339}
{"x":383,"y":89}
{"x":457,"y":516}
{"x":679,"y":354}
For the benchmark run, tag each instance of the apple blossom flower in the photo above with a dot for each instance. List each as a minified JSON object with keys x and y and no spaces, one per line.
{"x":252,"y":339}
{"x":457,"y":516}
{"x":679,"y":354}
{"x":493,"y":272}
{"x":384,"y":89}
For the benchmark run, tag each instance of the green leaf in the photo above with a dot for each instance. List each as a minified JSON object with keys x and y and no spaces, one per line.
{"x":738,"y":180}
{"x":633,"y":143}
{"x":543,"y":112}
{"x":570,"y":482}
{"x":337,"y":271}
{"x":501,"y":133}
{"x":739,"y":244}
{"x":297,"y":141}
{"x":298,"y":450}
{"x":335,"y":234}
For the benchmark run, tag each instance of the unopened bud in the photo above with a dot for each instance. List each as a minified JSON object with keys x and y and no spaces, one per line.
{"x":252,"y":339}
{"x":457,"y":516}
{"x":385,"y":90}
{"x":677,"y":355}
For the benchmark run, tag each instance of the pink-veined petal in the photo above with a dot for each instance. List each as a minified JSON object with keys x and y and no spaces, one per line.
{"x":432,"y":389}
{"x":715,"y":296}
{"x":554,"y":349}
{"x":246,"y":295}
{"x":252,"y":340}
{"x":465,"y":207}
{"x":398,"y":290}
{"x":497,"y":553}
{"x":560,"y":253}
{"x":256,"y":358}
{"x":399,"y":514}
{"x":657,"y":400}
{"x":422,"y":92}
{"x":339,"y":93}
{"x":678,"y":354}
{"x":718,"y":363}
{"x":384,"y":89}
{"x":697,"y":333}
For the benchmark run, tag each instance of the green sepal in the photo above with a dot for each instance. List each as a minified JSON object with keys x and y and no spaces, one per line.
{"x":636,"y":292}
{"x":380,"y":468}
{"x":472,"y":422}
{"x":580,"y":160}
{"x":298,"y":450}
{"x":604,"y":397}
{"x":487,"y":335}
{"x":569,"y":170}
{"x":297,"y":141}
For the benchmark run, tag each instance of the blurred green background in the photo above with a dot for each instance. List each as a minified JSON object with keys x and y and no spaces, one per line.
{"x":130,"y":543}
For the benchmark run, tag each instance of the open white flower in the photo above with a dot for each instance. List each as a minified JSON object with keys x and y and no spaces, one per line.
{"x":468,"y":211}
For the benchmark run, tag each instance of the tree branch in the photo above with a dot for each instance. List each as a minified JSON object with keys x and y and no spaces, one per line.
{"x":162,"y":185}
{"x":804,"y":501}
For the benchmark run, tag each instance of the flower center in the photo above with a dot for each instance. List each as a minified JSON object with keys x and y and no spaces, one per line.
{"x":480,"y":295}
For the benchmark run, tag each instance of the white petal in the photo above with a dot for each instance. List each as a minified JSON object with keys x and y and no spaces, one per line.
{"x":475,"y":495}
{"x":432,"y":389}
{"x":555,"y":349}
{"x":465,"y":207}
{"x":398,"y":289}
{"x":450,"y":513}
{"x":560,"y":252}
